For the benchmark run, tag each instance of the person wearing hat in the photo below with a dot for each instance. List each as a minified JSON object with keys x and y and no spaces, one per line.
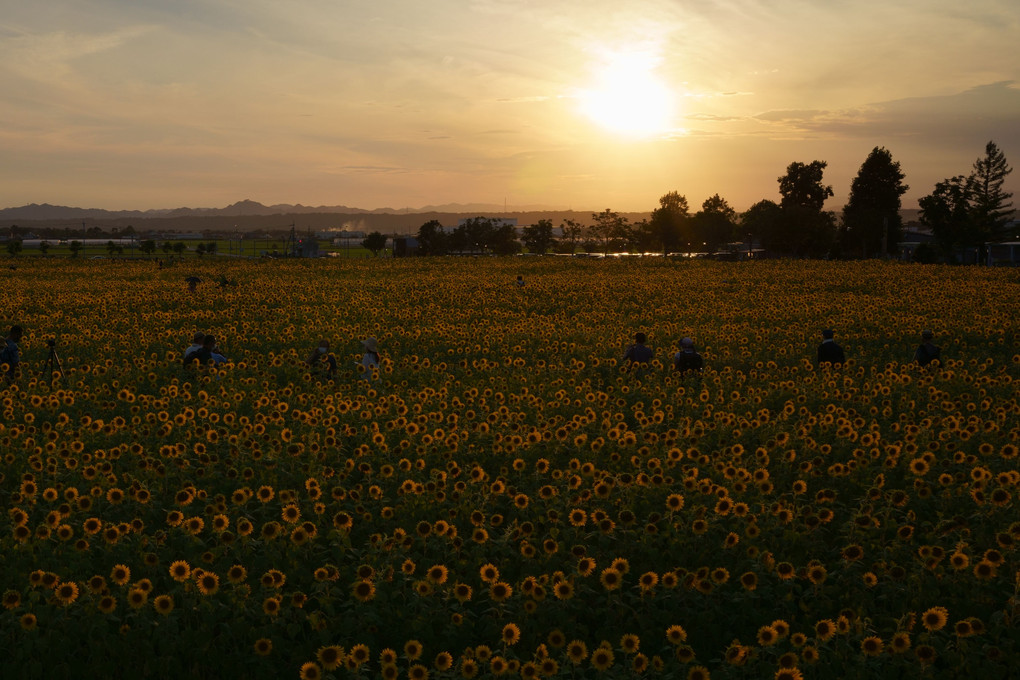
{"x":829,"y":352}
{"x":370,"y":359}
{"x":687,"y":359}
{"x":928,"y":351}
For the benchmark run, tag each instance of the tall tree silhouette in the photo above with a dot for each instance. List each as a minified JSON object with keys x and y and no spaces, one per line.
{"x":806,"y":230}
{"x":991,"y":208}
{"x":666,"y":227}
{"x":871,"y":216}
{"x":946,"y":211}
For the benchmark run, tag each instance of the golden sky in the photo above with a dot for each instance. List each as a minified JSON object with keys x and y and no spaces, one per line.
{"x":586,"y":104}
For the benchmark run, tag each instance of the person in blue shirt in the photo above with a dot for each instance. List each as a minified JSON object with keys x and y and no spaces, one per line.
{"x":10,"y":355}
{"x":829,"y":352}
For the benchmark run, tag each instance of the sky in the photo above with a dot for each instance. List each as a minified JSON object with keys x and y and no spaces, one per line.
{"x":563,"y":104}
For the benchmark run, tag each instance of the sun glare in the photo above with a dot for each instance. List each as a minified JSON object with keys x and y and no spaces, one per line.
{"x":628,"y":98}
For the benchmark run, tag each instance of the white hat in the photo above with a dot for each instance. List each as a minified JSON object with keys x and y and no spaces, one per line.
{"x":687,"y":342}
{"x":370,"y":344}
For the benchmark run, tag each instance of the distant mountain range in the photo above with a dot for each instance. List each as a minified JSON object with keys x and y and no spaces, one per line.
{"x":246,"y":208}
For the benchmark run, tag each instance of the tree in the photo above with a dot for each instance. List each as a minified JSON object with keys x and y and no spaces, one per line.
{"x":432,"y":240}
{"x":871,"y":216}
{"x":167,"y":247}
{"x":14,"y":247}
{"x":762,"y":221}
{"x":474,"y":234}
{"x":148,"y":247}
{"x":180,"y":247}
{"x":374,"y":242}
{"x":610,"y":229}
{"x":538,"y":237}
{"x":44,"y":246}
{"x":668,"y":223}
{"x":946,"y":211}
{"x":805,"y":229}
{"x":503,"y":241}
{"x":111,"y":248}
{"x":75,"y":248}
{"x":991,"y":208}
{"x":802,"y":186}
{"x":572,"y":232}
{"x":714,"y":224}
{"x":210,"y":247}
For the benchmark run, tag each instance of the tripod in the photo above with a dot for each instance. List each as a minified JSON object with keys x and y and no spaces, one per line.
{"x":53,"y":363}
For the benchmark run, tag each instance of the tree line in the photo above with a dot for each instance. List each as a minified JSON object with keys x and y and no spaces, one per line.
{"x":961,"y":212}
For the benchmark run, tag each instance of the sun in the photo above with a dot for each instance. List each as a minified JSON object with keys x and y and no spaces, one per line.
{"x":627,"y":97}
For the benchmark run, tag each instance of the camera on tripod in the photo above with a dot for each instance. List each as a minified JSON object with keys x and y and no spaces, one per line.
{"x":52,"y":365}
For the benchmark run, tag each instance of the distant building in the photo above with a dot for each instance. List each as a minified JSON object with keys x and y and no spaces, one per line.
{"x":405,"y":246}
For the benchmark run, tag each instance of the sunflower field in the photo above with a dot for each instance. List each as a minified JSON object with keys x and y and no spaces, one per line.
{"x":503,"y":497}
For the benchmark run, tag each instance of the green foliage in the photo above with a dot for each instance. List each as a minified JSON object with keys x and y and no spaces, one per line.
{"x":375,"y":242}
{"x":946,"y":211}
{"x":432,"y":239}
{"x":714,"y":224}
{"x":538,"y":237}
{"x":669,"y":224}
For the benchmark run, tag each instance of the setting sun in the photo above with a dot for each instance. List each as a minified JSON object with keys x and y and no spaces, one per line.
{"x":628,"y":98}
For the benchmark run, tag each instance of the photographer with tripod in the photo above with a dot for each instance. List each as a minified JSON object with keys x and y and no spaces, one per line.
{"x":9,"y":355}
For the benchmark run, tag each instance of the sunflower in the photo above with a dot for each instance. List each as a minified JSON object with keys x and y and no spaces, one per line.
{"x":443,"y":661}
{"x":926,"y":654}
{"x":263,"y":646}
{"x":698,"y":673}
{"x":872,"y":646}
{"x":417,"y":672}
{"x":437,"y":574}
{"x":825,"y":630}
{"x":310,"y":671}
{"x":180,"y":570}
{"x":363,"y":591}
{"x":900,"y":642}
{"x":66,"y":592}
{"x":511,"y":634}
{"x":164,"y":604}
{"x":359,"y":654}
{"x":611,"y":578}
{"x":331,"y":657}
{"x":630,"y":643}
{"x":577,"y":651}
{"x":413,"y":649}
{"x":28,"y":621}
{"x":935,"y":618}
{"x":208,"y":583}
{"x":137,"y":598}
{"x":237,"y":574}
{"x":120,"y":574}
{"x":500,"y":591}
{"x":12,"y":599}
{"x":602,"y":658}
{"x":468,"y":668}
{"x":676,"y":634}
{"x":462,"y":592}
